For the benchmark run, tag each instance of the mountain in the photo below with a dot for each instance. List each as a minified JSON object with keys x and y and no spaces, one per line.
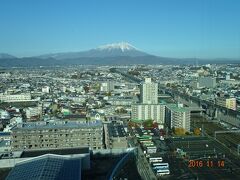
{"x":109,"y":50}
{"x":6,"y":56}
{"x":110,"y":54}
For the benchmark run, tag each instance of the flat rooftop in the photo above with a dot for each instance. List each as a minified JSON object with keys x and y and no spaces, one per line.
{"x":58,"y":125}
{"x":116,"y":130}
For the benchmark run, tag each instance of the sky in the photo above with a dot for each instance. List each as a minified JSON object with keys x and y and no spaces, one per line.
{"x":169,"y":28}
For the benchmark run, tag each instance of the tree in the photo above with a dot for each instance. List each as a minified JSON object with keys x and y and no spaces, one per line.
{"x":197,"y":131}
{"x":180,"y":131}
{"x":148,"y":123}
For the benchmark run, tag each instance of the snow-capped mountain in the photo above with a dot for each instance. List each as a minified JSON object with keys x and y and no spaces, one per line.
{"x":124,"y":46}
{"x":109,"y":50}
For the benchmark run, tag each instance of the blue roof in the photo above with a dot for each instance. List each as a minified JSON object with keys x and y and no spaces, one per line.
{"x":49,"y":167}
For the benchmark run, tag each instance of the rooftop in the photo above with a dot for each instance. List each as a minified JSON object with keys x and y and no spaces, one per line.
{"x":48,"y":166}
{"x":116,"y":130}
{"x":58,"y":125}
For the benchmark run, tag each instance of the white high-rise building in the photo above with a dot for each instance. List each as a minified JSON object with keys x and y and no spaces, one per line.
{"x":149,"y":92}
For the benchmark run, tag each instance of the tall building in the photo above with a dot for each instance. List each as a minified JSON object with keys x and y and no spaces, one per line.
{"x":149,"y":111}
{"x":207,"y":81}
{"x":177,"y":117}
{"x":57,"y":134}
{"x":149,"y":92}
{"x":107,"y":86}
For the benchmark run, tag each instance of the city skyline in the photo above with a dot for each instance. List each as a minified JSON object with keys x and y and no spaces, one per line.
{"x":201,"y":29}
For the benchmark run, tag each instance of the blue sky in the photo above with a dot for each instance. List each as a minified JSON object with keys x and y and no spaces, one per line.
{"x":172,"y":28}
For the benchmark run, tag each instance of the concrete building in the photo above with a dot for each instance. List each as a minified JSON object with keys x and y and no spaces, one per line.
{"x":149,"y":92}
{"x":15,"y":97}
{"x":208,"y":82}
{"x":122,"y":100}
{"x":177,"y":117}
{"x":149,"y":111}
{"x":228,"y":77}
{"x":57,"y":134}
{"x":231,"y":103}
{"x":33,"y":112}
{"x":46,"y":89}
{"x":107,"y":86}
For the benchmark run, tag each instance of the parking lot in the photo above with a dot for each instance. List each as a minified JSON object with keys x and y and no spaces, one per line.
{"x":204,"y":150}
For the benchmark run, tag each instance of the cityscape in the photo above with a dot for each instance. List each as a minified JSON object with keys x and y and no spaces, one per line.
{"x":114,"y":111}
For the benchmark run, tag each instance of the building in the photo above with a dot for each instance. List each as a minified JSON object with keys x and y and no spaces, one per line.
{"x":149,"y":92}
{"x":33,"y":113}
{"x":51,"y":166}
{"x":57,"y":134}
{"x":46,"y":89}
{"x":231,"y":103}
{"x":207,"y":82}
{"x":149,"y":111}
{"x":15,"y":97}
{"x":177,"y":117}
{"x":122,"y":100}
{"x":228,"y":77}
{"x":107,"y":86}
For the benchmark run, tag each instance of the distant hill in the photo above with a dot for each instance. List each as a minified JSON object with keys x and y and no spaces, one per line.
{"x":110,"y":54}
{"x":6,"y":56}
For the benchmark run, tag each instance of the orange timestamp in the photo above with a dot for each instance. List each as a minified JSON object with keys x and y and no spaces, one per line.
{"x":206,"y":163}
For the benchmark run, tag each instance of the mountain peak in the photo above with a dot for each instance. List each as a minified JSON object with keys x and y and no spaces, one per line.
{"x":123,"y":46}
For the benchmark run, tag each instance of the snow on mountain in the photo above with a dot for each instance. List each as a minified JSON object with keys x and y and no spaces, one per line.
{"x":124,"y":46}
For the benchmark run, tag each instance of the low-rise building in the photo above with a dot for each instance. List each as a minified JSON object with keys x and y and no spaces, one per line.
{"x":15,"y":97}
{"x":155,"y":112}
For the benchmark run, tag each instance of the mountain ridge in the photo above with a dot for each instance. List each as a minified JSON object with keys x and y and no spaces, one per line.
{"x":115,"y":53}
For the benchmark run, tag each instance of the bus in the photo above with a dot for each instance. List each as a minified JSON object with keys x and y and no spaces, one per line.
{"x":161,"y":169}
{"x":156,"y":159}
{"x":156,"y":164}
{"x":161,"y":172}
{"x":161,"y":165}
{"x":148,"y":143}
{"x":145,"y":137}
{"x":151,"y":149}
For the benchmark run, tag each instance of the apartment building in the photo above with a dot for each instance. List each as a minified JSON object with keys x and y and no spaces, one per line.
{"x":57,"y":134}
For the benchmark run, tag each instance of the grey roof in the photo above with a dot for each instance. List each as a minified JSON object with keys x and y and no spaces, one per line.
{"x":47,"y":167}
{"x":58,"y":125}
